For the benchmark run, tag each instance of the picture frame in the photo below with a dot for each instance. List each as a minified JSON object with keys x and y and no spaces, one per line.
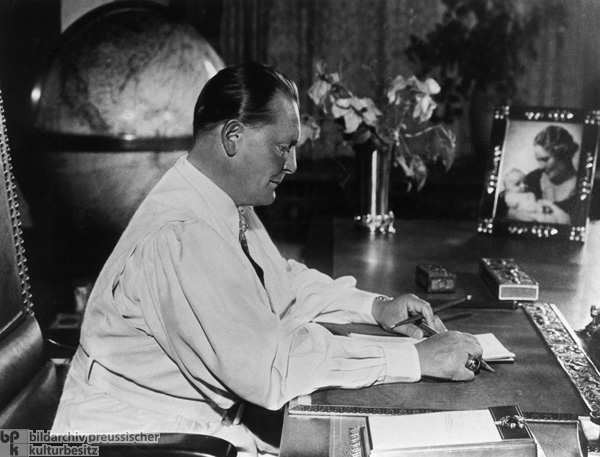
{"x":541,"y":172}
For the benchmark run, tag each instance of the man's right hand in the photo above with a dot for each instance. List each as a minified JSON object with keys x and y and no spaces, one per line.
{"x":445,"y":355}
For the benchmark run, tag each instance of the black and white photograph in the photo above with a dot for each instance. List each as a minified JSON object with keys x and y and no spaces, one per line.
{"x":299,"y":228}
{"x":539,"y":171}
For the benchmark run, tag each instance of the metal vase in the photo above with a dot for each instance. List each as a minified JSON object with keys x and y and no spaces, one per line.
{"x":374,"y":162}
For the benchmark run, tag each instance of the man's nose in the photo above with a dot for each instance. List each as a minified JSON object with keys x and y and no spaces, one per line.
{"x":290,"y":163}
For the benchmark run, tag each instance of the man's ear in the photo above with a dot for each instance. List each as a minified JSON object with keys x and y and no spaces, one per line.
{"x":231,"y":134}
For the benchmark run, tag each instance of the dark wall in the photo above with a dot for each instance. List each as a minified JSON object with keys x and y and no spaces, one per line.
{"x":29,"y":34}
{"x":291,"y":34}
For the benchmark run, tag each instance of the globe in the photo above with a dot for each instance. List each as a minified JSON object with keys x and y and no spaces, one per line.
{"x":114,"y":110}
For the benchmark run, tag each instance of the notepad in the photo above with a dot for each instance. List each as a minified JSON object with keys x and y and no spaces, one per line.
{"x":493,"y":349}
{"x":489,"y":432}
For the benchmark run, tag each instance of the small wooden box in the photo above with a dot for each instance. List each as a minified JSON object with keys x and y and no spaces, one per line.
{"x":435,"y":278}
{"x":507,"y":280}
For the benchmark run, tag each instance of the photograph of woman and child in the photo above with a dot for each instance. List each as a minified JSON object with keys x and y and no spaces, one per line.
{"x":538,"y":176}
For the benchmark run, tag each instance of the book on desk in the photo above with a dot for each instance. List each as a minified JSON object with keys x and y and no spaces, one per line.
{"x":496,"y":431}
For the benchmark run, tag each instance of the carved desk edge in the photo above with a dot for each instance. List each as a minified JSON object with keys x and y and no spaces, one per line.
{"x":562,"y":342}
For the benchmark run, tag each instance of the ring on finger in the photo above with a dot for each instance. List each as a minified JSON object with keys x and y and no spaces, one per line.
{"x":473,"y":363}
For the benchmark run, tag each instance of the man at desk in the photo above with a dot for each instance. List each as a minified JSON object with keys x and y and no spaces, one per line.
{"x":196,"y":310}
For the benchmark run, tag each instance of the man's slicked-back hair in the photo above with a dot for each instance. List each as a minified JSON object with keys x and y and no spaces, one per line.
{"x":242,"y":92}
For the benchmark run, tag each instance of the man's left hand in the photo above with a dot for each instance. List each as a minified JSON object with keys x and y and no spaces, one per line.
{"x":388,"y":312}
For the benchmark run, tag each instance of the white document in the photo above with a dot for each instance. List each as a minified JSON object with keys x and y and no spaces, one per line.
{"x":435,"y":429}
{"x":493,"y":349}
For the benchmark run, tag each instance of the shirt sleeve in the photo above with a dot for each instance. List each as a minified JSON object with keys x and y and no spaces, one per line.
{"x":323,"y":299}
{"x":339,"y":301}
{"x":205,"y":312}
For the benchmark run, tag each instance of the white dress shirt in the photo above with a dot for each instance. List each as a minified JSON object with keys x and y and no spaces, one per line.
{"x":178,"y":313}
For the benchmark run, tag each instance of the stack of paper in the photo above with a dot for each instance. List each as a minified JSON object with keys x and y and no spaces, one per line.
{"x":493,"y":349}
{"x":497,"y":431}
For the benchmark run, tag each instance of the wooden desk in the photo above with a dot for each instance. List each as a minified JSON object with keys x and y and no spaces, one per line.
{"x":567,"y":275}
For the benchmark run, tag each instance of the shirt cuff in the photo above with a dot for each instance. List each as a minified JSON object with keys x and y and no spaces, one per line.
{"x":402,"y":361}
{"x":360,"y":304}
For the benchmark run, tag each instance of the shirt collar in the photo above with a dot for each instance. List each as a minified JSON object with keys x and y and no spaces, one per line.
{"x":216,"y":198}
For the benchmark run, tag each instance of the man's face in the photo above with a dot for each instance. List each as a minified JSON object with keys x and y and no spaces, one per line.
{"x":555,"y":169}
{"x":267,"y":153}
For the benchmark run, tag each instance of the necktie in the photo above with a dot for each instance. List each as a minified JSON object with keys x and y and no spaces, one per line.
{"x":244,"y":243}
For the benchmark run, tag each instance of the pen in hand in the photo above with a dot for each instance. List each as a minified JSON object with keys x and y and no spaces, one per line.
{"x":432,"y":331}
{"x":436,"y":309}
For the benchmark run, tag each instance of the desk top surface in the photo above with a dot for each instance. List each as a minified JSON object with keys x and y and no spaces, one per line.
{"x":513,"y":383}
{"x":567,"y":274}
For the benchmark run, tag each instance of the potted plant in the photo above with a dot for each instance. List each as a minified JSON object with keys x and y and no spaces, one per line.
{"x":393,"y":129}
{"x":477,"y":51}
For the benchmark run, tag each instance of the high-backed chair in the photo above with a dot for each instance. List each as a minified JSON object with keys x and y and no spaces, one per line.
{"x":29,"y":386}
{"x":29,"y":393}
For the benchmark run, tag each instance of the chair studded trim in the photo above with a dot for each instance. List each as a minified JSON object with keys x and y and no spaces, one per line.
{"x":14,"y":285}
